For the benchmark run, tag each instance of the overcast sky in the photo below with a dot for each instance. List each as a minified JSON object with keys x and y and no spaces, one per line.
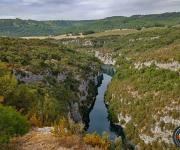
{"x":82,"y":9}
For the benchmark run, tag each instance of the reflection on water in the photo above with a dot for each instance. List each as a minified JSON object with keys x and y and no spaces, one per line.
{"x":107,"y":69}
{"x":99,"y":122}
{"x":98,"y":118}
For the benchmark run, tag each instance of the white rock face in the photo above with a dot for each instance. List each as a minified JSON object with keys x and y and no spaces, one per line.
{"x":124,"y":118}
{"x":173,"y":66}
{"x":155,"y":37}
{"x":83,"y":88}
{"x":83,"y":94}
{"x":165,"y":135}
{"x":144,"y":38}
{"x":88,"y":43}
{"x":71,"y":41}
{"x":105,"y":58}
{"x":95,"y":78}
{"x":44,"y":130}
{"x":27,"y":76}
{"x":62,"y":76}
{"x":84,"y":84}
{"x":75,"y":113}
{"x":160,"y":132}
{"x":147,"y":139}
{"x":169,"y":119}
{"x":86,"y":81}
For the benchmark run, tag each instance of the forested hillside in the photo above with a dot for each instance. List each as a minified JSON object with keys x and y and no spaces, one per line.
{"x":18,"y":27}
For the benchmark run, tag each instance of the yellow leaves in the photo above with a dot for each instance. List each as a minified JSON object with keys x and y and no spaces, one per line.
{"x":3,"y":66}
{"x":96,"y":140}
{"x":71,"y":142}
{"x":7,"y":84}
{"x":69,"y":133}
{"x":34,"y":121}
{"x":67,"y":128}
{"x":61,"y":129}
{"x":1,"y":99}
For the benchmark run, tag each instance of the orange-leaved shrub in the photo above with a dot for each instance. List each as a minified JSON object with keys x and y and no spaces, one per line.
{"x":67,"y":127}
{"x":97,"y":141}
{"x":35,"y":121}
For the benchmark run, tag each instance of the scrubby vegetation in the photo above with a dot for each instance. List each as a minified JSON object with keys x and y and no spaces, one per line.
{"x":143,"y":95}
{"x":67,"y":128}
{"x":95,"y":140}
{"x":73,"y":135}
{"x":41,"y":80}
{"x":144,"y":98}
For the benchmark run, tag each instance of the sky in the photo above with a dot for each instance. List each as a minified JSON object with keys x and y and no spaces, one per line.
{"x":83,"y":9}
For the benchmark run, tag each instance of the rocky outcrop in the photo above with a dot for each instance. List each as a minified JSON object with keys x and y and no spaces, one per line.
{"x":157,"y":133}
{"x":29,"y":77}
{"x":105,"y":58}
{"x":145,"y":38}
{"x":84,"y":92}
{"x":83,"y":88}
{"x":87,"y":81}
{"x":44,"y":130}
{"x":87,"y":43}
{"x":123,"y":119}
{"x":173,"y":66}
{"x":26,"y":76}
{"x":61,"y":76}
{"x":85,"y":84}
{"x":75,"y":112}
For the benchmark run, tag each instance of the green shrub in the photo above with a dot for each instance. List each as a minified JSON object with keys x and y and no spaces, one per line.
{"x":22,"y":98}
{"x":88,"y":32}
{"x":11,"y":124}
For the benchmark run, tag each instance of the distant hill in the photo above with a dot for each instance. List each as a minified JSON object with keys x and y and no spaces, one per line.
{"x":18,"y":27}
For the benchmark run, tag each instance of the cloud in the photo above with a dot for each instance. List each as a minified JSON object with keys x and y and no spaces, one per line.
{"x":83,"y":9}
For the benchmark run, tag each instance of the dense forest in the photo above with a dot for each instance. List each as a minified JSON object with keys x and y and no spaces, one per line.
{"x":18,"y":27}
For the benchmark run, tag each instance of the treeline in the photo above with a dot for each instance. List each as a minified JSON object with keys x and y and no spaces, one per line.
{"x":18,"y":27}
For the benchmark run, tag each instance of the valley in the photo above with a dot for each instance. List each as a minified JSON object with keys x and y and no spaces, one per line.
{"x":143,"y":96}
{"x":122,"y":83}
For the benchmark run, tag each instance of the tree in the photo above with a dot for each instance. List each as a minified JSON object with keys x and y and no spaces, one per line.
{"x":11,"y":124}
{"x":7,"y":84}
{"x":23,"y":98}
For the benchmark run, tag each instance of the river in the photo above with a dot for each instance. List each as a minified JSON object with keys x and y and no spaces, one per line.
{"x":98,"y":117}
{"x":99,"y":121}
